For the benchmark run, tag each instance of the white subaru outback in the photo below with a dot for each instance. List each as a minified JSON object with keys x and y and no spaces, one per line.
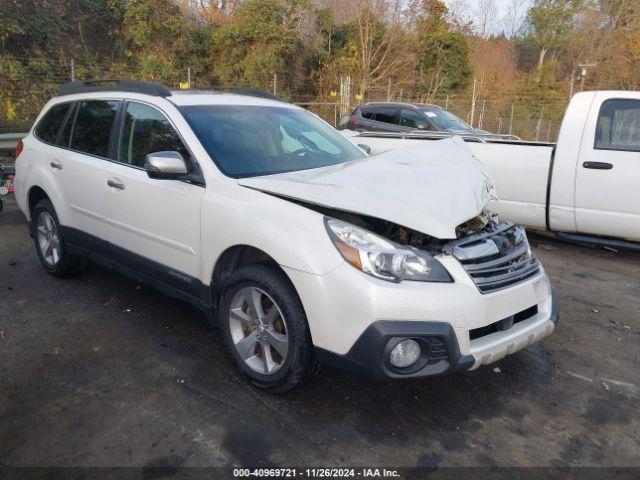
{"x":302,"y":248}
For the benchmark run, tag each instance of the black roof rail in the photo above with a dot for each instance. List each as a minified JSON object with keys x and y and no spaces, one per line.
{"x":248,"y":91}
{"x":114,"y":85}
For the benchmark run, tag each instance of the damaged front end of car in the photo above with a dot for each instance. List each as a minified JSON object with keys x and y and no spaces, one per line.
{"x":495,"y":255}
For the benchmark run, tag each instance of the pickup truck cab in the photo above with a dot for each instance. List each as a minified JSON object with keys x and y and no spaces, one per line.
{"x":299,"y":246}
{"x":583,"y":188}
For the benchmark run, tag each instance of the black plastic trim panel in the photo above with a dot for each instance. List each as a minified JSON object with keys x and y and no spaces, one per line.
{"x":164,"y":279}
{"x":369,"y":354}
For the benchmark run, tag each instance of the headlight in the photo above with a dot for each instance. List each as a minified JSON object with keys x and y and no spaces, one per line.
{"x":383,"y":258}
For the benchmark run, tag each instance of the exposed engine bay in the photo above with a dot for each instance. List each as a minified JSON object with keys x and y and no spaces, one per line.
{"x":403,"y":235}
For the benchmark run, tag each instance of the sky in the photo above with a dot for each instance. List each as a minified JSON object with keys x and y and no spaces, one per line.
{"x":501,"y":5}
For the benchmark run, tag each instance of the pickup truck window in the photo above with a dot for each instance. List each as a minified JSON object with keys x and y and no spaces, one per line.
{"x":618,"y":126}
{"x":250,"y":141}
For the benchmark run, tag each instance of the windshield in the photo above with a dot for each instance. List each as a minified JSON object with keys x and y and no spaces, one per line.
{"x":445,"y":120}
{"x":248,"y":141}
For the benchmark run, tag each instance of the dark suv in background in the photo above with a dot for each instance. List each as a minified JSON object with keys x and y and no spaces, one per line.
{"x":406,"y":117}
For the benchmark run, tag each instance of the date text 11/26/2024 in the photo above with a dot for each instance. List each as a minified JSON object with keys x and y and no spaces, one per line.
{"x":316,"y":473}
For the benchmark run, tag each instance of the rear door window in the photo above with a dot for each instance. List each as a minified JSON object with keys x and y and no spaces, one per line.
{"x":91,"y":131}
{"x":48,"y":128}
{"x":618,"y":126}
{"x":367,"y":113}
{"x":387,"y":115}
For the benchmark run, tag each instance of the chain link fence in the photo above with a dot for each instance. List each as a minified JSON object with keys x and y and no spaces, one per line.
{"x":526,"y":117}
{"x":26,"y":85}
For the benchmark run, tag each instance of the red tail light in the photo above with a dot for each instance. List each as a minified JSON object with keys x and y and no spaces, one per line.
{"x":354,"y":121}
{"x":19,"y":148}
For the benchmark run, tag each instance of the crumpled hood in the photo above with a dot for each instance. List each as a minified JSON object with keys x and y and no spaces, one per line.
{"x":432,"y":187}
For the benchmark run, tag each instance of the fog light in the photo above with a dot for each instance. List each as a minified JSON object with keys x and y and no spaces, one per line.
{"x":405,"y":353}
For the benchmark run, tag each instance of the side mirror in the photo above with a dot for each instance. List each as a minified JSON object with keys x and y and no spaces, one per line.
{"x":365,"y":147}
{"x":165,"y":165}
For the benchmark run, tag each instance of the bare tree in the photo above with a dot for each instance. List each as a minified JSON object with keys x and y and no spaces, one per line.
{"x":606,"y":36}
{"x":486,"y":15}
{"x":514,"y":17}
{"x":459,"y":12}
{"x":381,"y":42}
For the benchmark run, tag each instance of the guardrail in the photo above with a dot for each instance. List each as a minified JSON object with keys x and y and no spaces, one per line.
{"x":9,"y":141}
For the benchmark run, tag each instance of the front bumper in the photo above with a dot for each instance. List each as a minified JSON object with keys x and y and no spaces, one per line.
{"x":441,"y":353}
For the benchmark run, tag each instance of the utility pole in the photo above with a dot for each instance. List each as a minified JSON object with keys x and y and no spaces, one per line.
{"x":275,"y":83}
{"x":389,"y":91}
{"x":571,"y":86}
{"x":583,"y":72}
{"x":473,"y":102}
{"x":539,"y":124}
{"x":189,"y":77}
{"x":73,"y":70}
{"x":511,"y":121}
{"x":345,"y":94}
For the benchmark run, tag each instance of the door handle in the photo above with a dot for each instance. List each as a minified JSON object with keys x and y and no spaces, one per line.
{"x":598,"y":165}
{"x":56,"y":165}
{"x":115,"y":184}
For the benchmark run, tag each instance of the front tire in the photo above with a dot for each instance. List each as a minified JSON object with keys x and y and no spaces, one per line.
{"x":49,"y":242}
{"x":266,"y":329}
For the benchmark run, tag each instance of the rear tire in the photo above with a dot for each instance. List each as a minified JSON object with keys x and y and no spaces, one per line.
{"x":265,"y":328}
{"x":49,"y":242}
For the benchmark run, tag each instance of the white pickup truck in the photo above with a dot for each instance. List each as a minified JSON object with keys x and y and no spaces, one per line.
{"x":583,"y":188}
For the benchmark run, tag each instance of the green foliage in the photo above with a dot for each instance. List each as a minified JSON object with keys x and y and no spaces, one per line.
{"x":551,"y":24}
{"x":540,"y":89}
{"x":422,"y":53}
{"x":443,"y":55}
{"x":31,"y":26}
{"x":154,"y":30}
{"x":261,"y":38}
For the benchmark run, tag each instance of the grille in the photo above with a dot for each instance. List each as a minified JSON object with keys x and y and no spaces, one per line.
{"x":496,"y":258}
{"x":503,"y":325}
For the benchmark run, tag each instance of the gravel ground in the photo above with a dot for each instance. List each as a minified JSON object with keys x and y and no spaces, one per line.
{"x":101,"y":371}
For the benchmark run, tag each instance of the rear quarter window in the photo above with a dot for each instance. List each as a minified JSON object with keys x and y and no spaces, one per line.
{"x":48,"y":128}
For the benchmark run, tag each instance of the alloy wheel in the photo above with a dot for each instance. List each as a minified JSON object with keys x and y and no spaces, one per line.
{"x":258,"y":330}
{"x":48,"y":239}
